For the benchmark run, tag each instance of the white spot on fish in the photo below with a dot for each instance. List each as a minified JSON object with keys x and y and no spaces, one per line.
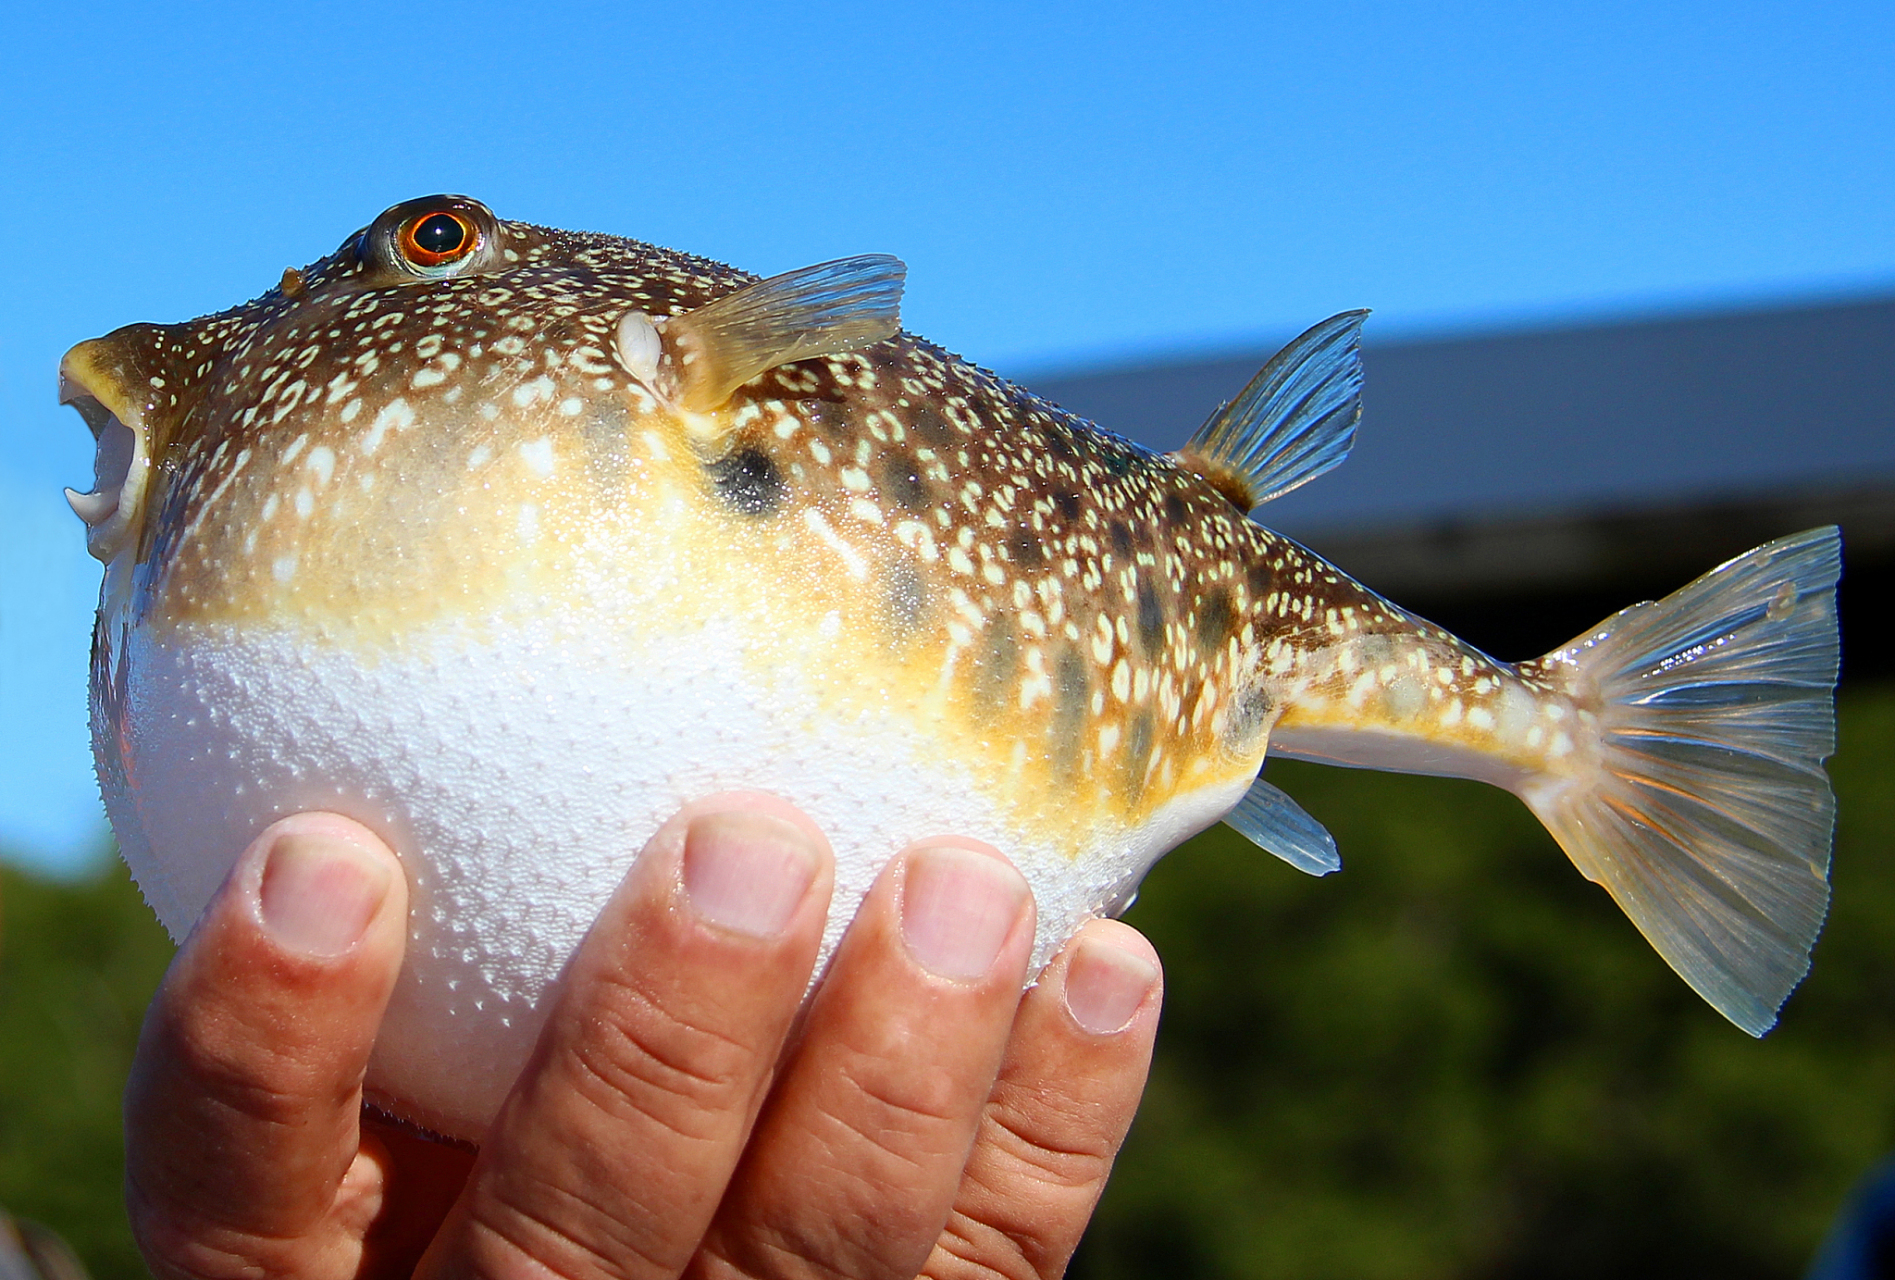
{"x":322,"y":460}
{"x":528,"y":394}
{"x":283,"y":568}
{"x":1515,"y":710}
{"x":538,"y":455}
{"x":479,"y":458}
{"x":851,"y":558}
{"x":395,"y":414}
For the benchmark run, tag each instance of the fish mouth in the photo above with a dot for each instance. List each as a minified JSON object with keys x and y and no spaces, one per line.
{"x":120,"y":462}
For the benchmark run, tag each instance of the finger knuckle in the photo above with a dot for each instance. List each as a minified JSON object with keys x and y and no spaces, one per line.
{"x":972,"y":1250}
{"x":248,"y":1075}
{"x":914,"y":1097}
{"x":178,"y":1244}
{"x":1069,"y":1155}
{"x":638,"y":1051}
{"x":558,"y":1232}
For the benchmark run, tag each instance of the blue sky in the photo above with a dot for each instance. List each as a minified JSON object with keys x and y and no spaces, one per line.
{"x":1070,"y":184}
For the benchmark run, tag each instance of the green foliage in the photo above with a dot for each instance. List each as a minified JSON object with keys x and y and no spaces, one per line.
{"x":78,"y":964}
{"x":1456,"y":1058}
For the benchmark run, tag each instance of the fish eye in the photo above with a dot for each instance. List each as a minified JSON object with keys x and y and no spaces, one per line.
{"x":437,"y":239}
{"x":431,"y":238}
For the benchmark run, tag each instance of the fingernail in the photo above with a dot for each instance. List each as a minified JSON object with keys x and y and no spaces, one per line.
{"x":747,"y":871}
{"x":319,"y":893}
{"x":1105,"y":985}
{"x":957,"y":908}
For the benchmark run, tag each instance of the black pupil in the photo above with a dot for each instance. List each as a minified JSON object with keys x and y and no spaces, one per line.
{"x":440,"y":233}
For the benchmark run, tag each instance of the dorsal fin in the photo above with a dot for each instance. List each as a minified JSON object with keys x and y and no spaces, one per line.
{"x":1277,"y":824}
{"x":813,"y":311}
{"x":1293,"y":422}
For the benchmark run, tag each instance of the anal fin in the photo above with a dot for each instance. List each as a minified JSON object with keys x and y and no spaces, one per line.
{"x":1276,"y":824}
{"x":826,"y":309}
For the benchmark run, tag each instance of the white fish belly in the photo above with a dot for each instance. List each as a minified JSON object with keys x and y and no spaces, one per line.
{"x":517,"y":768}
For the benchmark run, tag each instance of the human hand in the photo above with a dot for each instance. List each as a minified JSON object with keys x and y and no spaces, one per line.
{"x":928,"y":1118}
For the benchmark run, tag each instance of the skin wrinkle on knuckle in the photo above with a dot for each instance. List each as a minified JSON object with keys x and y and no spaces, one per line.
{"x":236,"y":1093}
{"x":997,"y":1255}
{"x":852,"y":1247}
{"x":532,"y":1233}
{"x":920,"y":1091}
{"x":229,"y":1053}
{"x":643,"y":1055}
{"x":179,"y":1241}
{"x":611,"y":1089}
{"x":1009,"y":1135}
{"x":630,"y":1005}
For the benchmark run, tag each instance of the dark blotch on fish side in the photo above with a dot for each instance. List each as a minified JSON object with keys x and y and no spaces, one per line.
{"x":901,"y":480}
{"x":1176,"y":511}
{"x":1262,"y":579}
{"x":749,"y":482}
{"x":1151,"y":618}
{"x":1138,"y":744}
{"x":1068,"y":503}
{"x":1217,"y":619}
{"x":1000,"y":655}
{"x":928,"y":424}
{"x":1249,"y":717}
{"x":1024,"y":547}
{"x":1121,"y":537}
{"x":1070,"y":695}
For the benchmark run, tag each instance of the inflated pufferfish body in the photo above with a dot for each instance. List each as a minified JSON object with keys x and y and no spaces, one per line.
{"x":506,"y":541}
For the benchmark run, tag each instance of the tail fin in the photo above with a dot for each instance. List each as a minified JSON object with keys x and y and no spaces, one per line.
{"x":1710,"y":817}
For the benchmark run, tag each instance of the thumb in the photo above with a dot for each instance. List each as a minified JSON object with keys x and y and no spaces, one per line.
{"x":241,"y":1116}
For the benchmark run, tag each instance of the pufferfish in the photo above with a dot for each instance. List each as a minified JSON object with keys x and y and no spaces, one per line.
{"x":506,"y":541}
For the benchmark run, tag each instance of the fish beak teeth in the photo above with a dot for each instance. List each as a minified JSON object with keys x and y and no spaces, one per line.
{"x":119,"y":467}
{"x":94,"y":508}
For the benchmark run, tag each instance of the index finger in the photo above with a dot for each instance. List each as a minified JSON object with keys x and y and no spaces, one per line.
{"x":609,"y":1157}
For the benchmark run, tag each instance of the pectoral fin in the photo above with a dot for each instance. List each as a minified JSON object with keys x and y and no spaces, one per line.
{"x":815,"y":311}
{"x":1276,"y":824}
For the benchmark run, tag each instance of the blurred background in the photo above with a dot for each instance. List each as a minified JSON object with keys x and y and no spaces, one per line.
{"x":1634,"y":277}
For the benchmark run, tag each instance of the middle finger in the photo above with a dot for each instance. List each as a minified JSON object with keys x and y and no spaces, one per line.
{"x":856,"y":1159}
